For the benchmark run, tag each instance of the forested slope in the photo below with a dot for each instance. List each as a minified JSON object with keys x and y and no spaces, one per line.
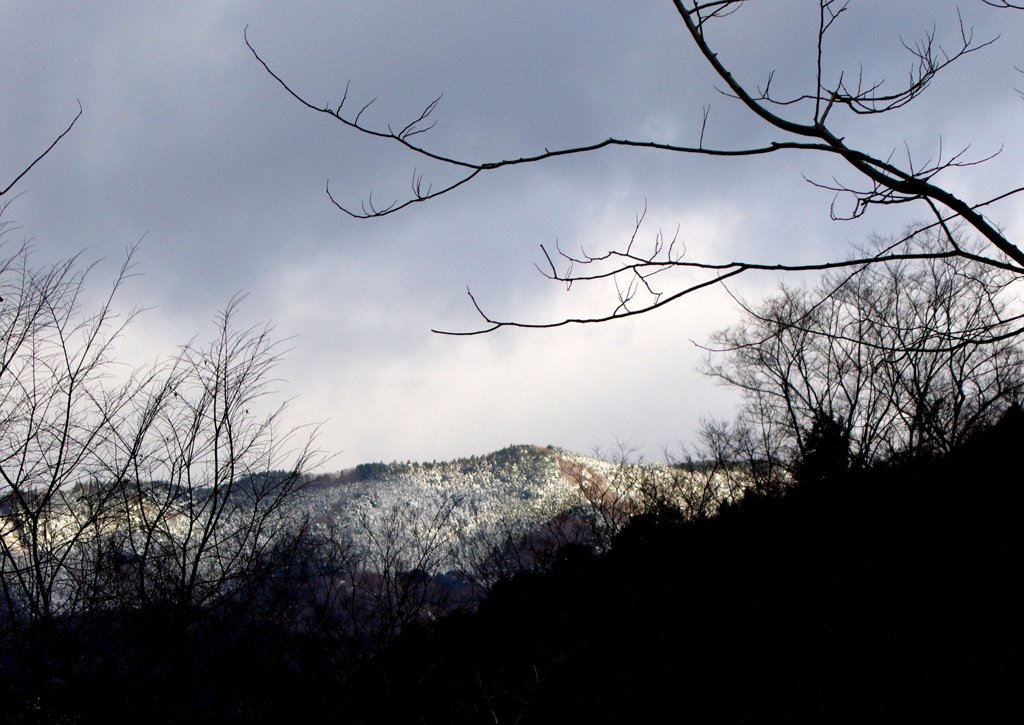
{"x":886,"y":596}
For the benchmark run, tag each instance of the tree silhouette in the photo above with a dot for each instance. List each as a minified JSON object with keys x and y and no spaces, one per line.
{"x":892,"y":353}
{"x":826,"y":455}
{"x":157,"y":498}
{"x":835,"y":96}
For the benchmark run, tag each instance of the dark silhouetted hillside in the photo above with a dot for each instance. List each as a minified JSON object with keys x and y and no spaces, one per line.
{"x":888,"y":596}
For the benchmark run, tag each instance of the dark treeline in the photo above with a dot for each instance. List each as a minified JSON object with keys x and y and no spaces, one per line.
{"x":887,"y":594}
{"x":884,"y":594}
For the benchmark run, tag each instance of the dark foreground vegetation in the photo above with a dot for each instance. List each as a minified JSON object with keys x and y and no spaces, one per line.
{"x":846,"y":550}
{"x":883,"y":595}
{"x":886,"y":596}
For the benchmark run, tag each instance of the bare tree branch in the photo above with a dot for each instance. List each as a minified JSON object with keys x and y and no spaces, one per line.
{"x":49,"y":148}
{"x":802,"y":122}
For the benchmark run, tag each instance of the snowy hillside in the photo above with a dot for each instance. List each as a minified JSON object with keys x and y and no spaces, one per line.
{"x":458,"y":506}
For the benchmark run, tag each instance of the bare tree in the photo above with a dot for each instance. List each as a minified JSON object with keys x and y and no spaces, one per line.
{"x":378,"y":572}
{"x":166,"y":489}
{"x":737,"y":457}
{"x":805,"y":122}
{"x":67,"y":433}
{"x":510,"y":546}
{"x":210,"y":491}
{"x":163,"y":489}
{"x":690,"y":486}
{"x":888,"y":353}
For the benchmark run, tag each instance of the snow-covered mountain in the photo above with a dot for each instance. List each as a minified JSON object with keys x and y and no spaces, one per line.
{"x":461,"y":506}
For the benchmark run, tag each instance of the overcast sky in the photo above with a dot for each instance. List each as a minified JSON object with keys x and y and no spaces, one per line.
{"x":187,"y":142}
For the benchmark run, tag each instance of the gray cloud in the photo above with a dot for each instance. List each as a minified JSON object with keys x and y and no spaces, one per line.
{"x":187,"y":140}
